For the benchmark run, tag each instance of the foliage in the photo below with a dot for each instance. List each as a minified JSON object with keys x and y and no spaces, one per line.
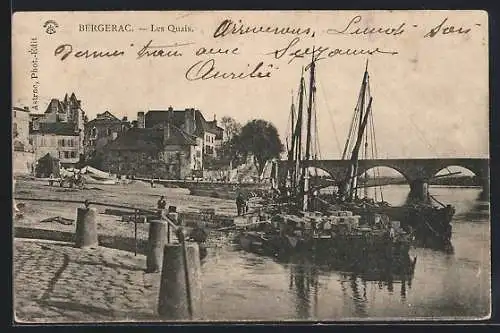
{"x":230,"y":152}
{"x":260,"y":139}
{"x":231,"y":127}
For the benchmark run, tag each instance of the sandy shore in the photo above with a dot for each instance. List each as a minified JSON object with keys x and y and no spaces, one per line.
{"x":56,"y":282}
{"x":112,"y":231}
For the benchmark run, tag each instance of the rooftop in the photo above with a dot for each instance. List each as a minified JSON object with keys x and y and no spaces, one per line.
{"x":178,"y":118}
{"x":147,"y":139}
{"x":58,"y":128}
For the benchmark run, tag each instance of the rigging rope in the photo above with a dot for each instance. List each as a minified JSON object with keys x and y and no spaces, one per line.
{"x":422,"y":137}
{"x":330,"y":116}
{"x":374,"y":141}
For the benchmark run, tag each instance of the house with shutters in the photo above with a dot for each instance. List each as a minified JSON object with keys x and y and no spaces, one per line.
{"x":189,"y":120}
{"x":164,"y":151}
{"x":59,"y":131}
{"x":101,"y":130}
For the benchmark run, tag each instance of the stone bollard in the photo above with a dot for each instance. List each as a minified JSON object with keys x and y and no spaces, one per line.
{"x":173,"y":299}
{"x":174,"y":217}
{"x":86,"y":228}
{"x":156,"y":242}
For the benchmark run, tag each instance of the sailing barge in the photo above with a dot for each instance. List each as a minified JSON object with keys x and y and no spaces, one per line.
{"x":431,"y":225}
{"x":339,"y":239}
{"x":334,"y":236}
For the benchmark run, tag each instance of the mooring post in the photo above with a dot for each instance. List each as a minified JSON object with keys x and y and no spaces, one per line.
{"x":180,"y":284}
{"x":174,"y":217}
{"x":86,"y":228}
{"x":419,"y":190}
{"x":156,"y":242}
{"x":135,"y":232}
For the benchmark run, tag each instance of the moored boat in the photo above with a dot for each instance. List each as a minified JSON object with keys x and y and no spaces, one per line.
{"x":334,"y":235}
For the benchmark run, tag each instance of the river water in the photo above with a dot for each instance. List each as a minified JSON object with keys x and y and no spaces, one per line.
{"x":243,"y":286}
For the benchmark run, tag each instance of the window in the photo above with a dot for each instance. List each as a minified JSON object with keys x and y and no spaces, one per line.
{"x":93,"y":132}
{"x":108,"y":131}
{"x":63,"y":143}
{"x":66,"y":154}
{"x":73,"y":154}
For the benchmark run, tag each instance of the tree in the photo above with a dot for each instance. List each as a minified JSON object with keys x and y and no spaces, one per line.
{"x":261,"y":139}
{"x":231,"y":127}
{"x":231,"y":153}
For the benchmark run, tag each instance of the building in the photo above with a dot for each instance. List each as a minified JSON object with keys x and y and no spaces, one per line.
{"x":20,"y":129}
{"x":219,"y":135}
{"x":60,"y":140}
{"x":165,"y":151}
{"x":189,"y":120}
{"x":59,"y":131}
{"x":102,"y":130}
{"x":23,"y":157}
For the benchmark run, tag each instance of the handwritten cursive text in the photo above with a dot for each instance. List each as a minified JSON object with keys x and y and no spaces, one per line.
{"x":205,"y":70}
{"x":353,"y":28}
{"x":228,"y":27}
{"x":65,"y":50}
{"x":446,"y":30}
{"x":150,"y":50}
{"x":322,"y":52}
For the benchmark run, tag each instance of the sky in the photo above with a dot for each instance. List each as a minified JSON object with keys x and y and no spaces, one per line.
{"x":429,"y":100}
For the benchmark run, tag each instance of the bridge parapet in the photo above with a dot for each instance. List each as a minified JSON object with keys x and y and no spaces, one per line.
{"x":412,"y":169}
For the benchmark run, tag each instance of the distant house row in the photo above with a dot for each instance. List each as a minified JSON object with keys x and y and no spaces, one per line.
{"x":159,"y":143}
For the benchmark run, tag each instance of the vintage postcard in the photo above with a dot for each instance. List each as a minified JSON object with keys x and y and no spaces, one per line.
{"x":250,"y":166}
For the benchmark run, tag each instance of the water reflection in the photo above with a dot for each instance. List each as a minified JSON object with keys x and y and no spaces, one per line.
{"x":304,"y":280}
{"x":304,"y":283}
{"x":244,"y":286}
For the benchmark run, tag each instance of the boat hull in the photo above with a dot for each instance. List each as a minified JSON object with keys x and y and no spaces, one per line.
{"x":431,"y":226}
{"x":357,"y":253}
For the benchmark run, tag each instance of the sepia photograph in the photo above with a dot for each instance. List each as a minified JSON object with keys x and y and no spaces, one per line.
{"x":250,"y":166}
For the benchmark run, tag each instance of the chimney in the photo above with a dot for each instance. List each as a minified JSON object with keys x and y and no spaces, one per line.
{"x":187,"y":122}
{"x":141,"y":120}
{"x":215,"y":120}
{"x":125,"y":118}
{"x":166,"y":132}
{"x":193,"y":117}
{"x":170,"y":114}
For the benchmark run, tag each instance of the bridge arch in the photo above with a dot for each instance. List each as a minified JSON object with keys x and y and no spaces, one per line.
{"x":479,"y":169}
{"x":469,"y":177}
{"x":382,"y":165}
{"x":384,"y":183}
{"x":455,"y":168}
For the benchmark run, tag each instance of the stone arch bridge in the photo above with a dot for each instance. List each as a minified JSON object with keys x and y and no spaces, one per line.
{"x":416,"y":171}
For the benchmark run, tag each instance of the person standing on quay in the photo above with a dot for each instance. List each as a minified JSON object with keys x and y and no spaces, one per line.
{"x":240,"y":203}
{"x":162,"y":203}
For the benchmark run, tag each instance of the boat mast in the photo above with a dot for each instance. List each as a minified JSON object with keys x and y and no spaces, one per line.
{"x":354,"y":174}
{"x":298,"y":133}
{"x":355,"y":151}
{"x":312,"y":88}
{"x":291,"y":151}
{"x":292,"y":131}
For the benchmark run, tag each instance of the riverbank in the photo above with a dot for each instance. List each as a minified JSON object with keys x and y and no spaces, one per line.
{"x":58,"y":283}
